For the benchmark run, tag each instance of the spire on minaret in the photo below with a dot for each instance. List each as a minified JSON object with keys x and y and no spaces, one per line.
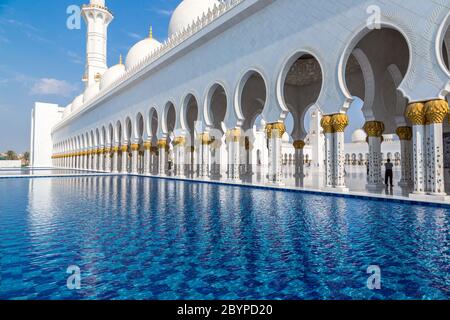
{"x":120,"y":59}
{"x":150,"y":33}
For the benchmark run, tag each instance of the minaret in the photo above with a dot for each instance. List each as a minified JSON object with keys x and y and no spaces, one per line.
{"x":98,"y":18}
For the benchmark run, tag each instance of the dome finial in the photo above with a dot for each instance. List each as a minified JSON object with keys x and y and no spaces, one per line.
{"x":120,"y":59}
{"x":150,"y":35}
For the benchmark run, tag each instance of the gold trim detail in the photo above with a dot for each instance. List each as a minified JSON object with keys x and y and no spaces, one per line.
{"x":147,"y":145}
{"x":277,"y":127}
{"x":299,"y":144}
{"x":415,"y":112}
{"x":326,"y":124}
{"x":374,"y":128}
{"x":404,"y":133}
{"x":162,"y":143}
{"x":205,"y":139}
{"x":436,"y":111}
{"x":339,"y":122}
{"x":233,"y":135}
{"x":135,"y":147}
{"x":179,"y":141}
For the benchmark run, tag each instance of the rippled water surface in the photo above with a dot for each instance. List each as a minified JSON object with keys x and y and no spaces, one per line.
{"x":140,"y":238}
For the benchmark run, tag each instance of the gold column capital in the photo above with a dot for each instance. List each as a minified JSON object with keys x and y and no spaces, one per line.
{"x":147,"y":145}
{"x":279,"y":127}
{"x":339,"y":122}
{"x":205,"y":139}
{"x":436,"y":111}
{"x":404,"y":133}
{"x":299,"y":144}
{"x":415,"y":112}
{"x":124,"y":148}
{"x":374,"y":128}
{"x":162,"y":143}
{"x":135,"y":147}
{"x":179,"y":141}
{"x":233,"y":135}
{"x":326,"y":124}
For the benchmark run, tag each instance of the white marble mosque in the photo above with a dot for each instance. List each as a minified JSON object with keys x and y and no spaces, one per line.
{"x":211,"y":101}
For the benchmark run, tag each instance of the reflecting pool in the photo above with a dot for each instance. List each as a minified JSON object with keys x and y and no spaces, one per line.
{"x":144,"y":238}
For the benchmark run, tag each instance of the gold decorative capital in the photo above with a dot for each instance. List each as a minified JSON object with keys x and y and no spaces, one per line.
{"x":436,"y":111}
{"x":277,"y":128}
{"x":299,"y":144}
{"x":205,"y":139}
{"x":179,"y":141}
{"x":415,"y":112}
{"x":374,"y":128}
{"x":404,"y":133}
{"x":162,"y":144}
{"x":135,"y":147}
{"x":147,"y":145}
{"x":326,"y":124}
{"x":233,"y":135}
{"x":124,"y":148}
{"x":339,"y":122}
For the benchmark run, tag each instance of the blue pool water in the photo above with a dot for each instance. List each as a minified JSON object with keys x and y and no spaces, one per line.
{"x":140,"y":238}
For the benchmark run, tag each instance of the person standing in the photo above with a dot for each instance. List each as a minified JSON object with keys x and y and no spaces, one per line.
{"x":388,"y":176}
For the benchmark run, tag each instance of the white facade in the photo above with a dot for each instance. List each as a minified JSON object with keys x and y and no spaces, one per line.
{"x":44,"y":117}
{"x":10,"y":164}
{"x":240,"y":59}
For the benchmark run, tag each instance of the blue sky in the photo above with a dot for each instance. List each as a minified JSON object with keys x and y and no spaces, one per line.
{"x":42,"y":60}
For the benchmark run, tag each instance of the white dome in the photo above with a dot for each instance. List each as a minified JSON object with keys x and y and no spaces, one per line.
{"x":187,"y":12}
{"x":359,"y":136}
{"x":111,"y":75}
{"x":140,"y":50}
{"x":77,"y":103}
{"x":91,"y":92}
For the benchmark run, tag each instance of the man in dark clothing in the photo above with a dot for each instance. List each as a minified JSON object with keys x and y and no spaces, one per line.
{"x":389,"y":174}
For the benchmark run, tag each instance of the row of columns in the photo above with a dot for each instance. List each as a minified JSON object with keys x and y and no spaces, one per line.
{"x":421,"y":152}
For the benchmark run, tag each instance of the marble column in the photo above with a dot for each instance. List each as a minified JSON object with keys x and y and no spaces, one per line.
{"x":274,"y":133}
{"x":416,"y":114}
{"x":162,"y":147}
{"x":233,"y":141}
{"x":374,"y":131}
{"x":405,"y":136}
{"x":435,"y":113}
{"x":339,"y":122}
{"x":299,"y":145}
{"x":101,"y":159}
{"x":95,"y":159}
{"x":107,"y":156}
{"x":180,"y":155}
{"x":124,"y":158}
{"x":204,"y":142}
{"x":147,"y":156}
{"x":115,"y":159}
{"x":326,"y":123}
{"x":134,"y":158}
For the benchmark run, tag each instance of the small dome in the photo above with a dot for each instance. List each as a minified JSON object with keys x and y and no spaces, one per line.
{"x":111,"y":75}
{"x":359,"y":136}
{"x":77,"y":103}
{"x":187,"y":12}
{"x":141,"y":50}
{"x":91,"y":92}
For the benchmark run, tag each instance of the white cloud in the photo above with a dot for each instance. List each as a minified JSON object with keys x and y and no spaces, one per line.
{"x":53,"y":87}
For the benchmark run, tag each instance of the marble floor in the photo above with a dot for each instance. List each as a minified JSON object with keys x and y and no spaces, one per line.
{"x":313,"y":181}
